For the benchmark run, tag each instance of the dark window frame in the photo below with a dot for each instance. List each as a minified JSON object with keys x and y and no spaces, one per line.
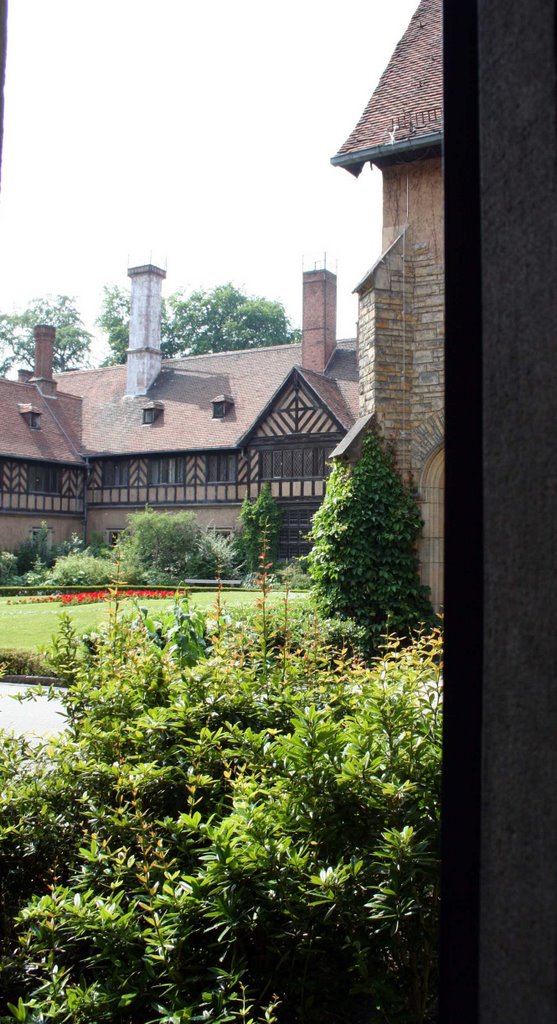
{"x":166,"y":470}
{"x":44,"y":478}
{"x":115,"y":473}
{"x":221,"y":468}
{"x":303,"y":463}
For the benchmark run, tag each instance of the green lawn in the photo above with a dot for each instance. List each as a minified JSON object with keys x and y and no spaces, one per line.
{"x":32,"y":625}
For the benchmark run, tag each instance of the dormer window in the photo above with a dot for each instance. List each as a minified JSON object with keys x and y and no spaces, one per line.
{"x":31,"y":415}
{"x":152,"y":411}
{"x":221,"y":405}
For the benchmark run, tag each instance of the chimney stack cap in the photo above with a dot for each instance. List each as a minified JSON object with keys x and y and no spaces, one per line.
{"x":146,"y":268}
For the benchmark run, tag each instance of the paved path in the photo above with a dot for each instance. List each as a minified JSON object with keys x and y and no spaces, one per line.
{"x":40,"y":717}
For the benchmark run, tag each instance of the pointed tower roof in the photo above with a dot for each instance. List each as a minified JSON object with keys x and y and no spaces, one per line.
{"x":405,"y":113}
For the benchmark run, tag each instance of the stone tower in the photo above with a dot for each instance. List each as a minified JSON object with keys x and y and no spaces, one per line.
{"x":401,"y":298}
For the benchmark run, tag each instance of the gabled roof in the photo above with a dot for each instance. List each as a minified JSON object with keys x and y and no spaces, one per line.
{"x":405,"y":113}
{"x":113,"y":424}
{"x":58,"y":438}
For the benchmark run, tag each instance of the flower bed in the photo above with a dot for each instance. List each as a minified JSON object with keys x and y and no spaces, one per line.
{"x":93,"y":596}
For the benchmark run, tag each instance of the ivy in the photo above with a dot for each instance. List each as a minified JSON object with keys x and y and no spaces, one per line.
{"x":261,"y":521}
{"x":364,"y":563}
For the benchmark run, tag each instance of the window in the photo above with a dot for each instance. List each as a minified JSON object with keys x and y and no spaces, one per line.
{"x":221,"y":404}
{"x":43,"y":478}
{"x":115,"y":473}
{"x":293,"y":463}
{"x":222,"y":468}
{"x":166,"y":471}
{"x":112,"y":536}
{"x":152,"y":412}
{"x":295,"y":526}
{"x":31,"y":415}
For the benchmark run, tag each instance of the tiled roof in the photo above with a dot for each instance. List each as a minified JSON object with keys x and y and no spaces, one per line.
{"x":113,"y":424}
{"x":406,"y":108}
{"x":57,"y":440}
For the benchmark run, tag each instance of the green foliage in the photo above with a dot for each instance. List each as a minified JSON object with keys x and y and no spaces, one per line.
{"x":16,"y":662}
{"x":168,"y":547}
{"x":260,"y":521}
{"x":35,"y":549}
{"x":17,"y":345}
{"x":180,"y":631}
{"x":218,"y":556}
{"x":158,"y":546}
{"x":363,"y":561}
{"x":219,"y":320}
{"x":80,"y":569}
{"x":293,"y":575}
{"x":8,"y":568}
{"x":250,"y":838}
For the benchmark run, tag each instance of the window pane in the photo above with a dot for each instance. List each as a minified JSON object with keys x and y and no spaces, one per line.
{"x":297,"y":464}
{"x":287,"y":464}
{"x":308,"y":462}
{"x":277,"y":464}
{"x":266,"y":465}
{"x":179,"y":471}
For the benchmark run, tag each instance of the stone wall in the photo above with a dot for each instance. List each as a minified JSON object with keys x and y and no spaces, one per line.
{"x":401,"y":352}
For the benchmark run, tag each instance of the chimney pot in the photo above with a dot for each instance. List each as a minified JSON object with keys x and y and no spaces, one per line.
{"x":24,"y":375}
{"x":319,"y":329}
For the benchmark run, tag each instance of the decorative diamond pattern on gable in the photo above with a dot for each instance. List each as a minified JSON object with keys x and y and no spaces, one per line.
{"x":296,"y":412}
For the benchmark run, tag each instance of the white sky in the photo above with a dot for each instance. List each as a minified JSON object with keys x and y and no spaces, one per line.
{"x":197,"y":135}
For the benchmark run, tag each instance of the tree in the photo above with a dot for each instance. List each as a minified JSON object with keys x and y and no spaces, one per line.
{"x":17,"y":345}
{"x":363,"y":562}
{"x":219,"y":320}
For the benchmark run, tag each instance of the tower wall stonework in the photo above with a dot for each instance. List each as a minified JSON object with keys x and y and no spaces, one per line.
{"x":401,"y":352}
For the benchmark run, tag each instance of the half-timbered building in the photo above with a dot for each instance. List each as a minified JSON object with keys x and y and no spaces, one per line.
{"x":83,"y":450}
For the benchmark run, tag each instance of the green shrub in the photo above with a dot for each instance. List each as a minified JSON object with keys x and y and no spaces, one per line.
{"x":80,"y":569}
{"x":253,"y":837}
{"x":260,"y":521}
{"x":158,"y":547}
{"x":294,"y":575}
{"x":364,"y":562}
{"x":35,"y":550}
{"x":217,"y":556}
{"x":8,"y":568}
{"x":16,"y":662}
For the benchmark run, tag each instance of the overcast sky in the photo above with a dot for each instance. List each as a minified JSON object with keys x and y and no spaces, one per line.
{"x":195,"y":135}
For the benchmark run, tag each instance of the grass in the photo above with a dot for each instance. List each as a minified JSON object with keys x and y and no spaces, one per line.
{"x":33,"y":625}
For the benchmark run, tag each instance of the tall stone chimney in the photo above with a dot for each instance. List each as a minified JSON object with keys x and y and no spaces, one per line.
{"x":44,"y":336}
{"x":319,"y":328}
{"x":144,"y":353}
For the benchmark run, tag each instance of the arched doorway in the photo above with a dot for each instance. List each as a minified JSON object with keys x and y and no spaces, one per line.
{"x":432,"y":543}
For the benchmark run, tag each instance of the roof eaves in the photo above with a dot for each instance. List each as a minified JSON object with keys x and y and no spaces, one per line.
{"x":387,"y":152}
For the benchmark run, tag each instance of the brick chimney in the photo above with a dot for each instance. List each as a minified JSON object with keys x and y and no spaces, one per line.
{"x":144,"y":352}
{"x":319,"y":328}
{"x":44,"y":352}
